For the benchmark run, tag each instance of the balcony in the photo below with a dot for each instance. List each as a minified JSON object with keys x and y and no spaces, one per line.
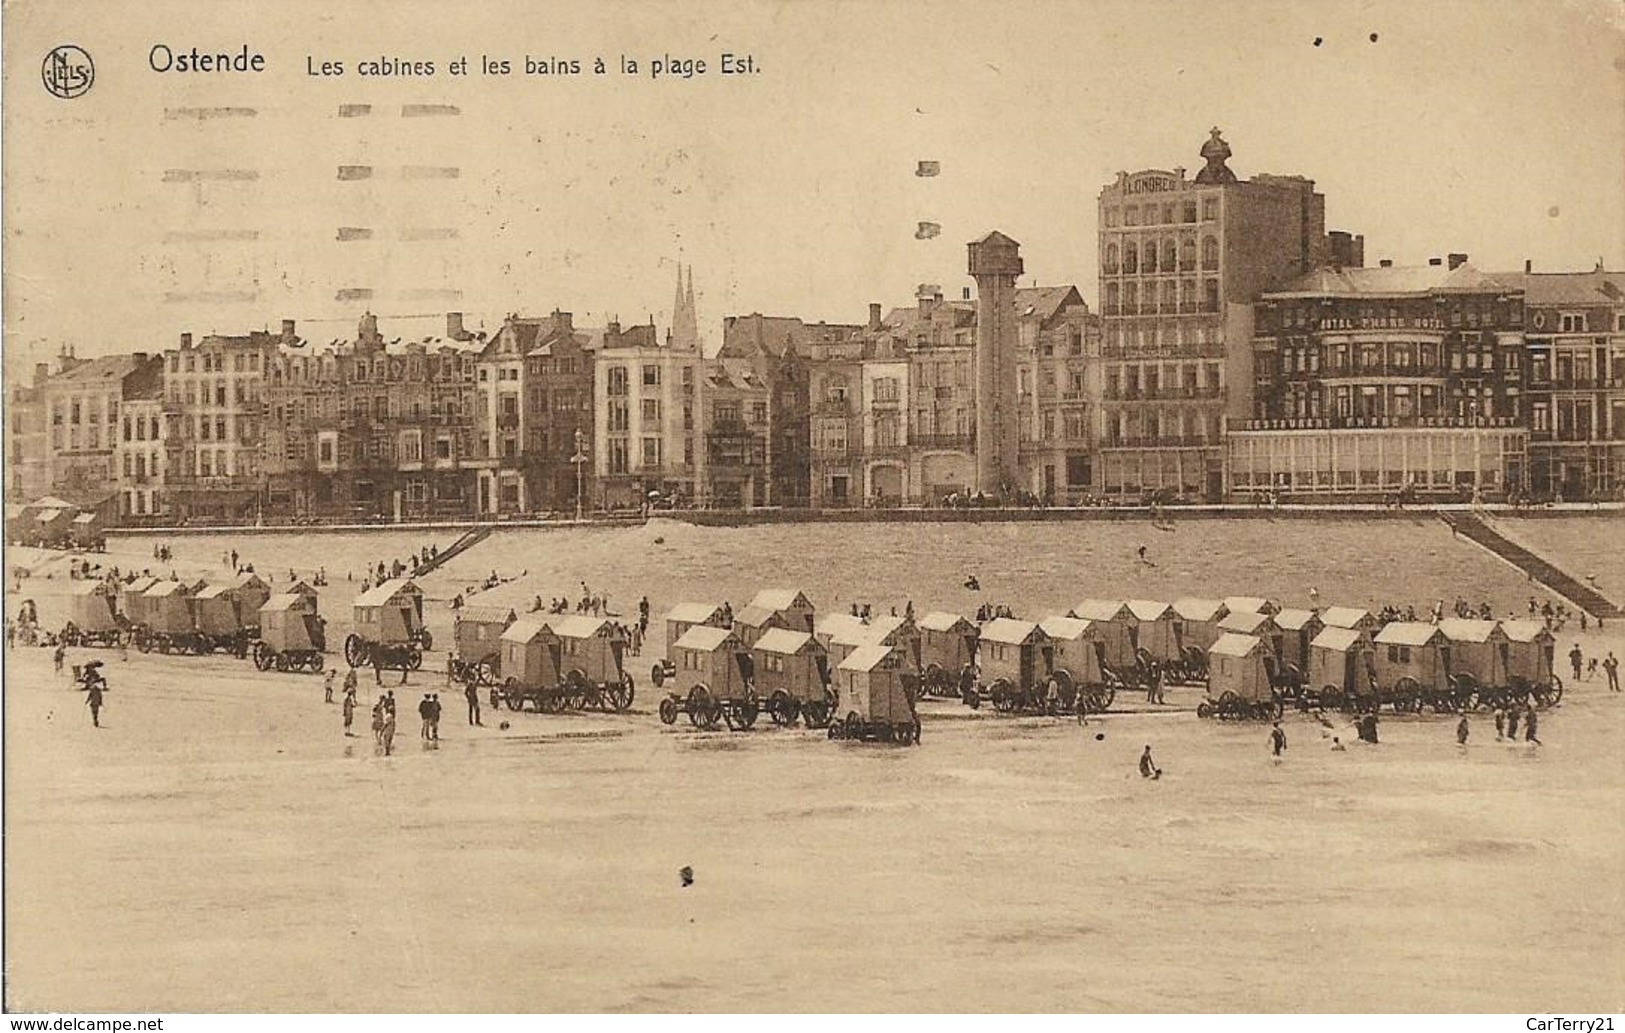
{"x":1189,"y":441}
{"x":1382,"y":423}
{"x":831,"y":407}
{"x":507,"y":421}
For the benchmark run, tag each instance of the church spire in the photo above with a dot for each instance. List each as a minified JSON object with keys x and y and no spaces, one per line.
{"x":685,"y":324}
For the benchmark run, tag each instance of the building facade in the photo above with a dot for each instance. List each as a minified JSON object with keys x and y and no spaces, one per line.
{"x":647,"y":424}
{"x":1372,"y":382}
{"x":1058,"y":391}
{"x":28,"y":453}
{"x":1181,"y":261}
{"x":84,"y":404}
{"x":1575,"y":399}
{"x":213,"y":424}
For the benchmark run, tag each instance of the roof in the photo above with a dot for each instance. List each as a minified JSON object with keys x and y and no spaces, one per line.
{"x":704,"y":638}
{"x":779,"y":598}
{"x":1525,"y":631}
{"x":783,"y":640}
{"x":1391,"y":281}
{"x":486,"y":614}
{"x":693,"y":613}
{"x":1406,"y":633}
{"x":51,"y":502}
{"x":578,"y":626}
{"x":831,"y":624}
{"x":865,"y":658}
{"x":1458,"y":629}
{"x":1236,"y":645}
{"x":90,"y":588}
{"x":215,"y":591}
{"x":1294,"y":620}
{"x":858,"y":633}
{"x":1598,"y":287}
{"x":1193,"y":609}
{"x":284,"y":601}
{"x":1339,"y":639}
{"x":940,"y":620}
{"x":1343,"y":616}
{"x":1244,"y":622}
{"x":1008,"y":631}
{"x":385,"y":592}
{"x":1247,"y":603}
{"x":1148,"y":610}
{"x":1042,"y":303}
{"x":45,"y":516}
{"x":164,"y":588}
{"x":525,"y":631}
{"x":1065,"y":628}
{"x":755,"y":616}
{"x":140,"y":584}
{"x":1101,"y":609}
{"x":85,"y":518}
{"x":105,"y":367}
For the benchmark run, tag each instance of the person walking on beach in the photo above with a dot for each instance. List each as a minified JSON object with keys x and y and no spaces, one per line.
{"x":327,"y":684}
{"x":1500,"y":723}
{"x":389,"y":731}
{"x":423,"y":712}
{"x":1610,"y":667}
{"x":434,"y":716}
{"x":472,"y":694}
{"x":1512,"y":724}
{"x":93,"y":699}
{"x":378,"y":721}
{"x":1462,"y":731}
{"x":1148,"y":767}
{"x":349,"y":711}
{"x":1575,"y":658}
{"x":1277,"y":741}
{"x":1529,"y":724}
{"x":60,"y":654}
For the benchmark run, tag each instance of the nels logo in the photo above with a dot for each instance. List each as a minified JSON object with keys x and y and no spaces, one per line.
{"x":68,"y":72}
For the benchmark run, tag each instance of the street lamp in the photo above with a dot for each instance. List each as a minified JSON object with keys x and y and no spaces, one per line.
{"x":580,"y":459}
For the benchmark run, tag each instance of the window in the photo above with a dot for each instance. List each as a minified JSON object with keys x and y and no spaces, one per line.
{"x":651,"y":451}
{"x":1131,"y":216}
{"x":620,"y":416}
{"x":1574,"y":323}
{"x":1131,"y":256}
{"x":1210,"y":252}
{"x":616,"y":380}
{"x":1189,"y":212}
{"x":1210,"y":295}
{"x":617,"y":455}
{"x":651,"y":376}
{"x":885,"y":389}
{"x":1111,"y":257}
{"x":1210,"y":209}
{"x":651,"y":410}
{"x":758,"y":412}
{"x":1150,"y":256}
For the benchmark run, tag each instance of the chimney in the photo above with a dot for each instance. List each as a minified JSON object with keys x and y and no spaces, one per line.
{"x":1529,"y":265}
{"x":874,"y":315}
{"x":1435,"y":261}
{"x":140,"y":358}
{"x":454,"y":326}
{"x":928,"y":296}
{"x":287,"y":330}
{"x":42,"y":373}
{"x":1386,"y":263}
{"x":186,"y":340}
{"x":1457,"y":259}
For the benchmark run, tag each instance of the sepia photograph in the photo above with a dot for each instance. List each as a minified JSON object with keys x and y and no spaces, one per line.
{"x":892,"y":507}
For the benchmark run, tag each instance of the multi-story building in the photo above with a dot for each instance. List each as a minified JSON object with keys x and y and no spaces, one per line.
{"x":734,"y":405}
{"x":84,"y":403}
{"x":1374,"y":381}
{"x":1575,"y":399}
{"x":373,"y":429}
{"x":213,"y":416}
{"x":779,"y":351}
{"x":1058,"y":354}
{"x":28,"y":457}
{"x":647,"y":424}
{"x":138,"y":455}
{"x":534,"y":407}
{"x":1181,"y":260}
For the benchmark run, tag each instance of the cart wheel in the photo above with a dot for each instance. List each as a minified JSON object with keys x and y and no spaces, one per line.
{"x":622,"y":694}
{"x":854,"y":726}
{"x":512,"y":694}
{"x":262,"y":656}
{"x":1204,"y":710}
{"x":485,"y":672}
{"x":1555,"y":689}
{"x":934,"y":679}
{"x":657,"y":674}
{"x":780,"y":708}
{"x":835,"y":731}
{"x":414,"y":658}
{"x":751,"y":708}
{"x":425,"y":638}
{"x":668,"y":710}
{"x":317,"y":662}
{"x":699,"y":707}
{"x":281,"y":662}
{"x":355,"y":650}
{"x":916,"y":731}
{"x":142,"y":642}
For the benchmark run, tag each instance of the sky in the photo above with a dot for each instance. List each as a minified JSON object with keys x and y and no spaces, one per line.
{"x":1492,"y":128}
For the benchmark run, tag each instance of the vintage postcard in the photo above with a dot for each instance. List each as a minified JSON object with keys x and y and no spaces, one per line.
{"x":782,"y":507}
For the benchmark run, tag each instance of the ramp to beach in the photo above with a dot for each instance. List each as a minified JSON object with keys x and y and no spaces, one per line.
{"x":1543,"y":571}
{"x":465,"y":541}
